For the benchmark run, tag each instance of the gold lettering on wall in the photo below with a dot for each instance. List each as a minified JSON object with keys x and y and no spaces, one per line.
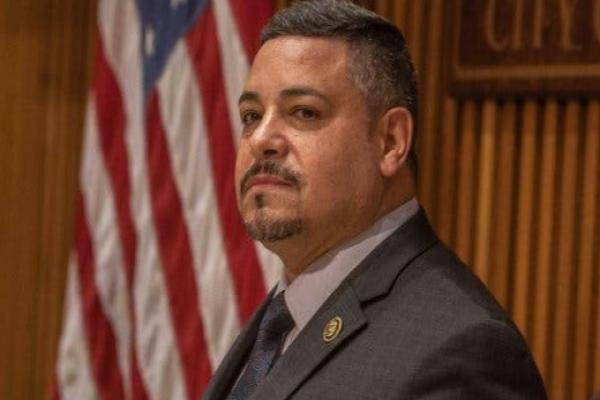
{"x":596,"y":15}
{"x":538,"y":24}
{"x":490,"y":28}
{"x":518,"y":26}
{"x":516,"y":8}
{"x":525,"y":45}
{"x":567,"y":8}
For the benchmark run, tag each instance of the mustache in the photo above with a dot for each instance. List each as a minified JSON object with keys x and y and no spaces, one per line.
{"x":272,"y":168}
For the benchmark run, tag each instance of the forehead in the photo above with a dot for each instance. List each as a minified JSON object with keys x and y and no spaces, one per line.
{"x":292,"y":60}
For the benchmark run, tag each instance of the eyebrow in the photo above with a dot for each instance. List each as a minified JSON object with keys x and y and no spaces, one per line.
{"x":248,"y":96}
{"x":295,"y":91}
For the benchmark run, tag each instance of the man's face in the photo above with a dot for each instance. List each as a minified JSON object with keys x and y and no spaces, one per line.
{"x":307,"y":164}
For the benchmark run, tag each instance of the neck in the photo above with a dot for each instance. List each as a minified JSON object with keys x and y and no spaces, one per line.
{"x":300,"y":251}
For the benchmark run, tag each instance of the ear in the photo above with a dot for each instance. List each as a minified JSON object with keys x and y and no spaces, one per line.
{"x":397,"y":137}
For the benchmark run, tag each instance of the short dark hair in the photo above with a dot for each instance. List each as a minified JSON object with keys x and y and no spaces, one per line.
{"x":381,"y":65}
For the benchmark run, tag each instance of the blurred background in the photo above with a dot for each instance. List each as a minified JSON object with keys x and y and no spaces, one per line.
{"x":508,"y":144}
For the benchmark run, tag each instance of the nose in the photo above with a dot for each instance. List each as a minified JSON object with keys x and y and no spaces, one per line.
{"x":268,"y":141}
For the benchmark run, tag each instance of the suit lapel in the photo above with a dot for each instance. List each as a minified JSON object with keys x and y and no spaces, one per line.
{"x":378,"y":272}
{"x":373,"y":278}
{"x":229,"y":369}
{"x":309,"y":349}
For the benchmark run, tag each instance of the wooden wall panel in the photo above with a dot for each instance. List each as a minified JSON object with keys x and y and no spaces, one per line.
{"x":519,"y":303}
{"x":503,"y":208}
{"x":429,"y":121}
{"x":43,"y":81}
{"x":566,"y":268}
{"x":595,"y":350}
{"x":585,"y":251}
{"x":447,"y":176}
{"x":466,"y":178}
{"x":545,"y":246}
{"x":483,"y":219}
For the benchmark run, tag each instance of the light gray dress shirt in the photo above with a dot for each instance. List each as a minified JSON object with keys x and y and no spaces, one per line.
{"x":318,"y":281}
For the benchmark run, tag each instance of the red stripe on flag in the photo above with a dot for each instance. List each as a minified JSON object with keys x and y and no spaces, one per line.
{"x":241,"y":254}
{"x":176,"y":256}
{"x":250,"y":16}
{"x":111,"y":128}
{"x":54,"y":394}
{"x":99,"y":333}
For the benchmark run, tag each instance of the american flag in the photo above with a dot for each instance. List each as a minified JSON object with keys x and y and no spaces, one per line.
{"x":162,"y":275}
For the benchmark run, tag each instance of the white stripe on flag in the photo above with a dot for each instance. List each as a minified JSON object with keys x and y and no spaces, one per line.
{"x":109,"y":276}
{"x":183,"y":120}
{"x":73,"y":369}
{"x":234,"y":61}
{"x":158,"y":355}
{"x":235,"y":70}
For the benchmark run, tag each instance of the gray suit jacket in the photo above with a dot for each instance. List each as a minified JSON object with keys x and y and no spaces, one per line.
{"x":417,"y":324}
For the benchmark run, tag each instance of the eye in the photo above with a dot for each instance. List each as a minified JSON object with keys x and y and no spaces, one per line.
{"x":249,"y":117}
{"x":306,"y":114}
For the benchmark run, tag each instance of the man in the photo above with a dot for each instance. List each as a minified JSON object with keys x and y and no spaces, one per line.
{"x":371,"y":305}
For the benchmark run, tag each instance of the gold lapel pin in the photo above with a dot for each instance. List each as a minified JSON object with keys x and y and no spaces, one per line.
{"x":332,"y":329}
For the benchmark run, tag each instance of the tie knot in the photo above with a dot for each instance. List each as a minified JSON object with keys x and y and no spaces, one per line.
{"x":277,"y":319}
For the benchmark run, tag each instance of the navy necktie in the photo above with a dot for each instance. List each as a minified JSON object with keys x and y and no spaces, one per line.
{"x":275,"y":324}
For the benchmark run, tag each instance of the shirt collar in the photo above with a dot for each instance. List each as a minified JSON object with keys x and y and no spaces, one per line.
{"x":313,"y":286}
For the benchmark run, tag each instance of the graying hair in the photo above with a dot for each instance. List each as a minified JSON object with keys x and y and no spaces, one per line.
{"x":379,"y":62}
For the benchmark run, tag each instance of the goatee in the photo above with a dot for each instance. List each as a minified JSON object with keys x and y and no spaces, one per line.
{"x":262,"y":227}
{"x":265,"y":229}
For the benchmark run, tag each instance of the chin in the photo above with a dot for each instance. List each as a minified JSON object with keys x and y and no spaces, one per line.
{"x":271,"y":219}
{"x":269,"y":229}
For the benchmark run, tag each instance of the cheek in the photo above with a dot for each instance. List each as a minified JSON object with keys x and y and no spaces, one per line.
{"x":242,"y":163}
{"x":348,"y":177}
{"x":332,"y":179}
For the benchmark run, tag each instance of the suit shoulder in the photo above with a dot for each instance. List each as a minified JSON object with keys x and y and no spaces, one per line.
{"x":439,"y":282}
